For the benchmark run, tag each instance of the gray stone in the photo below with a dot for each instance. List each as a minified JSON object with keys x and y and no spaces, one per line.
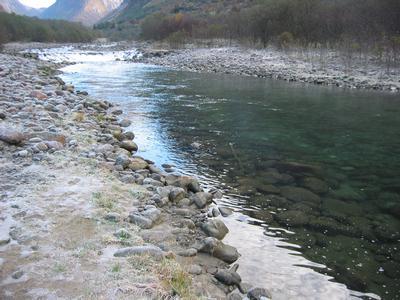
{"x":125,"y":123}
{"x":187,"y":252}
{"x":23,"y":153}
{"x":215,"y":212}
{"x":218,"y":249}
{"x":137,"y":163}
{"x":128,"y":135}
{"x":145,"y":219}
{"x":185,"y":202}
{"x":140,"y":250}
{"x":228,"y":277}
{"x":18,"y":274}
{"x":11,"y":135}
{"x":201,"y":199}
{"x":122,"y":160}
{"x":225,"y":212}
{"x":129,"y":145}
{"x":4,"y":240}
{"x":177,"y":194}
{"x":234,"y":296}
{"x":215,"y":228}
{"x":258,"y":294}
{"x":150,"y":181}
{"x":195,"y":270}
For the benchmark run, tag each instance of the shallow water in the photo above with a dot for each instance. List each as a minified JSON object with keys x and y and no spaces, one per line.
{"x":251,"y":131}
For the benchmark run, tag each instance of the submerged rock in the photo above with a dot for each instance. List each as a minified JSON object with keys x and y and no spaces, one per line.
{"x":298,"y":194}
{"x":293,"y":218}
{"x":316,"y":185}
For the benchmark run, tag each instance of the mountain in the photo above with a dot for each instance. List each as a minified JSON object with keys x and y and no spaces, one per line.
{"x":14,"y":6}
{"x":87,"y":12}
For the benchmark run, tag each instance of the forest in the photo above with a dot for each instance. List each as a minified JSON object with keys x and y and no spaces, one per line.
{"x":21,"y":28}
{"x":355,"y":23}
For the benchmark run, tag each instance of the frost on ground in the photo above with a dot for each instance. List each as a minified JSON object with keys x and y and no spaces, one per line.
{"x":321,"y":67}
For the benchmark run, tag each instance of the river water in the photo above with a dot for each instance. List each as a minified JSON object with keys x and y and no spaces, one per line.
{"x":311,"y":172}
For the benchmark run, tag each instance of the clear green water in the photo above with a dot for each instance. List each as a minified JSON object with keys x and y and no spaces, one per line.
{"x":249,"y":129}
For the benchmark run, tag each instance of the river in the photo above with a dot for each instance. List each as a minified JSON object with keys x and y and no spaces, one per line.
{"x":311,"y":172}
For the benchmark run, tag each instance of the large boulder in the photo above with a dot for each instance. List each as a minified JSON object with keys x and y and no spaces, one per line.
{"x":228,"y":277}
{"x":122,"y":160}
{"x":129,"y":145}
{"x":176,"y":194}
{"x":11,"y":135}
{"x":145,"y":219}
{"x":201,"y":199}
{"x":218,"y":249}
{"x":215,"y":228}
{"x":137,"y":163}
{"x":125,"y":123}
{"x":186,"y":182}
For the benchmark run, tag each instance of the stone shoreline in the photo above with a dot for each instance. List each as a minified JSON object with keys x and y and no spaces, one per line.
{"x":327,"y":68}
{"x":77,"y":204}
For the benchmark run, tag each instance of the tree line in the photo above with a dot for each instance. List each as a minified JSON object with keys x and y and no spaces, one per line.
{"x":21,"y":28}
{"x":286,"y":22}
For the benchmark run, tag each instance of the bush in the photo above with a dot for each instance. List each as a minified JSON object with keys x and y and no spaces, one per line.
{"x":285,"y":40}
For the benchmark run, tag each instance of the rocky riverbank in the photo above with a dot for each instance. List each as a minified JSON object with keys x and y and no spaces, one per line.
{"x":316,"y":67}
{"x":78,"y":206}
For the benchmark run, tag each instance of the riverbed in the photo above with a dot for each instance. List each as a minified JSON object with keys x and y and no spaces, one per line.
{"x":312,"y":172}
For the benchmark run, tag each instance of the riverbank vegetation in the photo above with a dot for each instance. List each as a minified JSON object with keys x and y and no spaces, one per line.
{"x":21,"y":28}
{"x":354,"y":26}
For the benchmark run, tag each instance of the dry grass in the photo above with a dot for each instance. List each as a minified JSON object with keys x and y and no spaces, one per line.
{"x":102,"y":200}
{"x":78,"y":117}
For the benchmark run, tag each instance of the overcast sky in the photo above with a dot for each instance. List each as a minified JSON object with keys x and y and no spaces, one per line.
{"x":37,"y":3}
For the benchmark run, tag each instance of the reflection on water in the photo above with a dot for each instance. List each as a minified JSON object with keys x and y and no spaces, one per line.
{"x":321,"y":164}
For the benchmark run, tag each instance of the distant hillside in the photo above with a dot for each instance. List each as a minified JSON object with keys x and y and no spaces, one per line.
{"x":14,"y":6}
{"x":87,"y":12}
{"x":22,"y":28}
{"x":350,"y":24}
{"x":124,"y":22}
{"x":137,"y":9}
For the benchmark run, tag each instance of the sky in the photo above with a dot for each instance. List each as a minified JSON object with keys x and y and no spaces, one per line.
{"x":37,"y":3}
